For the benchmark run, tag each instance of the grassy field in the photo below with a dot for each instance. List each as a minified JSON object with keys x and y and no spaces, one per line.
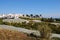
{"x":13,"y":35}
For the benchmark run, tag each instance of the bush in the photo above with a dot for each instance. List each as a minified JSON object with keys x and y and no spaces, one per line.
{"x":55,"y":38}
{"x":45,"y":31}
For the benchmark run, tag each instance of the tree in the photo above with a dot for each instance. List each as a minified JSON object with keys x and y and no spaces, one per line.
{"x":31,"y":15}
{"x":51,"y":19}
{"x":23,"y":15}
{"x":40,"y":15}
{"x":27,"y":15}
{"x":37,"y":15}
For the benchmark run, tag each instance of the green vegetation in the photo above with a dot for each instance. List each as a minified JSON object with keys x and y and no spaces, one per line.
{"x":1,"y":22}
{"x":55,"y":28}
{"x":47,"y":19}
{"x":45,"y":31}
{"x":45,"y":28}
{"x":42,"y":27}
{"x":55,"y":38}
{"x":28,"y":18}
{"x":34,"y":25}
{"x":31,"y":25}
{"x":57,"y":20}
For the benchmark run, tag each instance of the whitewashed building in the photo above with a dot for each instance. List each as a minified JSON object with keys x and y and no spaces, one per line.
{"x":11,"y":15}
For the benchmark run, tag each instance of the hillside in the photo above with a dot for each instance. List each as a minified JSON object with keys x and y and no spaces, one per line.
{"x":12,"y":35}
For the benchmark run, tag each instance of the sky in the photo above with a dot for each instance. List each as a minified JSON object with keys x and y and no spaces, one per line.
{"x":47,"y":8}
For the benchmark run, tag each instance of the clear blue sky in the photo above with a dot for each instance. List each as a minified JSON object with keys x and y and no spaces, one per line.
{"x":48,"y":8}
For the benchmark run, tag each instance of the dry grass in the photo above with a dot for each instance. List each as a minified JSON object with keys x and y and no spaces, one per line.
{"x":12,"y":35}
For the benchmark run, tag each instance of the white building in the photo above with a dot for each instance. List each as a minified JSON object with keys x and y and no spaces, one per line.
{"x":11,"y":15}
{"x":2,"y":15}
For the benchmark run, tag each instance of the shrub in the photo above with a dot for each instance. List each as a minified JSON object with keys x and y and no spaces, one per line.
{"x":45,"y":31}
